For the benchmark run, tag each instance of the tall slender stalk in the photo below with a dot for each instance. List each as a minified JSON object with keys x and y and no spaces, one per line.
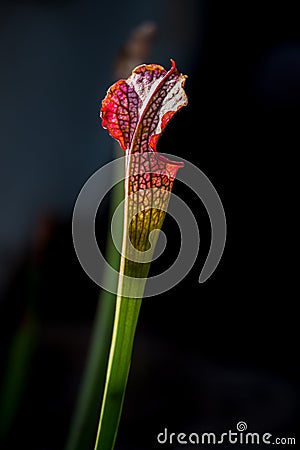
{"x":126,"y":317}
{"x":125,"y":322}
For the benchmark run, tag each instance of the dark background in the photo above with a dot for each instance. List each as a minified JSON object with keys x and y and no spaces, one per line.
{"x":206,"y":356}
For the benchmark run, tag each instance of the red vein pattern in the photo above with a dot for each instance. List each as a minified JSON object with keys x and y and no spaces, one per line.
{"x":135,"y":112}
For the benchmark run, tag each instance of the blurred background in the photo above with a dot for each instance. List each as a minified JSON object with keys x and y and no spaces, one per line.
{"x":206,"y":356}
